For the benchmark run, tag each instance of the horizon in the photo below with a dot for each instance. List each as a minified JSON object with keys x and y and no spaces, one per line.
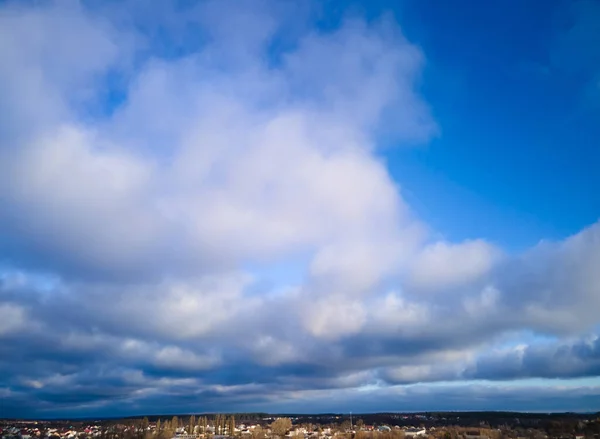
{"x":265,"y":206}
{"x":296,"y":415}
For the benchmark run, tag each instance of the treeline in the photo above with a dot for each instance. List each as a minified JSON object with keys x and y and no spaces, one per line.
{"x":240,"y":417}
{"x":168,"y":428}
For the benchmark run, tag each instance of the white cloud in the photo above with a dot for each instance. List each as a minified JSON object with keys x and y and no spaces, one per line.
{"x":334,"y":316}
{"x":173,"y":310}
{"x":52,"y":57}
{"x":443,"y":265}
{"x":394,"y":312}
{"x":201,"y":168}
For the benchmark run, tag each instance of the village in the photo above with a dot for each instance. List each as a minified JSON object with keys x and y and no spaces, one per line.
{"x":309,"y":427}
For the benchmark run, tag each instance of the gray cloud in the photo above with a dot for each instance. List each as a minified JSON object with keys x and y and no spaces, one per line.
{"x":579,"y":359}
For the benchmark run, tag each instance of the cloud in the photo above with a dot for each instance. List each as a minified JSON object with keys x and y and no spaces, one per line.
{"x":444,"y":265}
{"x":576,"y":359}
{"x":214,"y":165}
{"x":144,"y":179}
{"x":12,"y":317}
{"x":554,"y":285}
{"x":212,"y":331}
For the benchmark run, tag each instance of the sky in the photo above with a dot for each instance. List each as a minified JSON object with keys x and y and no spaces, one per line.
{"x":307,"y":206}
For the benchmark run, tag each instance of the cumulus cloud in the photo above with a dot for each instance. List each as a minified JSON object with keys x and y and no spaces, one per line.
{"x":443,"y":265}
{"x":215,"y":164}
{"x":144,"y":180}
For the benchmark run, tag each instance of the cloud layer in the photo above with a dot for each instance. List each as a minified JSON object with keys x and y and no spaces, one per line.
{"x":200,"y":219}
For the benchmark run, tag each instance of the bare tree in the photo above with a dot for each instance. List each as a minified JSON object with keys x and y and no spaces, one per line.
{"x":231,"y":426}
{"x":168,"y":429}
{"x":202,"y":424}
{"x":218,"y":424}
{"x":191,"y":424}
{"x":258,"y":432}
{"x":281,"y":426}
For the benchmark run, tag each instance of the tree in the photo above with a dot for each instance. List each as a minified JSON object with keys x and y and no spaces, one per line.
{"x":231,"y":425}
{"x":281,"y":426}
{"x":191,"y":424}
{"x":217,"y":424}
{"x":202,"y":423}
{"x":168,"y":429}
{"x":158,"y":433}
{"x":258,"y":432}
{"x":360,"y":424}
{"x":175,"y":423}
{"x":143,"y":428}
{"x":222,"y":422}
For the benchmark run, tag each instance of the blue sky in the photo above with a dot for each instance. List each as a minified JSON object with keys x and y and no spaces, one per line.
{"x":509,"y":83}
{"x":304,"y":206}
